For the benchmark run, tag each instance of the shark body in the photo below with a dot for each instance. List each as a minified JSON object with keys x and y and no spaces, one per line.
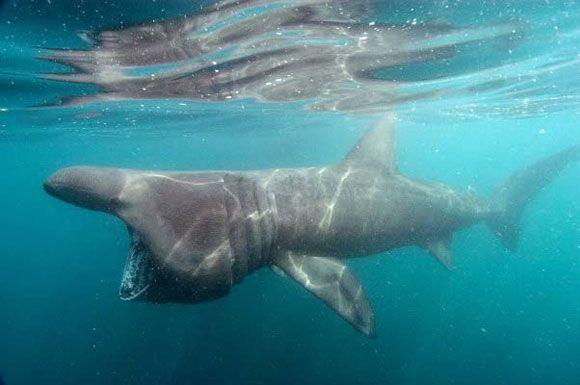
{"x":197,"y":234}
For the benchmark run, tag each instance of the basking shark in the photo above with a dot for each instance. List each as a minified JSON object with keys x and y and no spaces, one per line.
{"x":197,"y":234}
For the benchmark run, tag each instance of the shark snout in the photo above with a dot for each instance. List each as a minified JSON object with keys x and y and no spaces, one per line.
{"x":93,"y":188}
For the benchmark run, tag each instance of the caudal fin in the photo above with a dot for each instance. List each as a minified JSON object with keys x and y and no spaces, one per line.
{"x":514,"y":194}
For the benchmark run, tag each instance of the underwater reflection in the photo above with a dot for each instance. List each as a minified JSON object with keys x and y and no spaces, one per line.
{"x":318,"y":51}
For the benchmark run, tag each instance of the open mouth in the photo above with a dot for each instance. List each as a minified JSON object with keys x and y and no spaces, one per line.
{"x":144,"y":281}
{"x":139,"y":273}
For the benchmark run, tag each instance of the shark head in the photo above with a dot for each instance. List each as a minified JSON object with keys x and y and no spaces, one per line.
{"x":180,"y":225}
{"x":92,"y":188}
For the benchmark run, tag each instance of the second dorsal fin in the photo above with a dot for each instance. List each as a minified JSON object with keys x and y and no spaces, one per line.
{"x":377,"y":146}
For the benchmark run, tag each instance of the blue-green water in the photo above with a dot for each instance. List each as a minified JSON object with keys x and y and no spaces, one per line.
{"x":498,"y":317}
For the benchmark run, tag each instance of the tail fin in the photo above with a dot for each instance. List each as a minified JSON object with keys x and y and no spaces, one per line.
{"x":514,"y":194}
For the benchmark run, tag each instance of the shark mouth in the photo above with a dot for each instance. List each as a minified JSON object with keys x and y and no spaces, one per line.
{"x":139,"y":273}
{"x":144,"y":281}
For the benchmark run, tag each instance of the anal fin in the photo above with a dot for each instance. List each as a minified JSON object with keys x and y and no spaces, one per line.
{"x":441,"y":249}
{"x":331,"y":281}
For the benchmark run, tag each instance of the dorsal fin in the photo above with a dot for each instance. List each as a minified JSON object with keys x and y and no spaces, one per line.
{"x":377,"y":146}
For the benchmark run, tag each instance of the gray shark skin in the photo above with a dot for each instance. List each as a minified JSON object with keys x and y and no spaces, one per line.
{"x":196,"y":234}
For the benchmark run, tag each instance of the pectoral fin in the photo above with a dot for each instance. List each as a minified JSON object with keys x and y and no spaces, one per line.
{"x":441,"y":249}
{"x":332,"y":282}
